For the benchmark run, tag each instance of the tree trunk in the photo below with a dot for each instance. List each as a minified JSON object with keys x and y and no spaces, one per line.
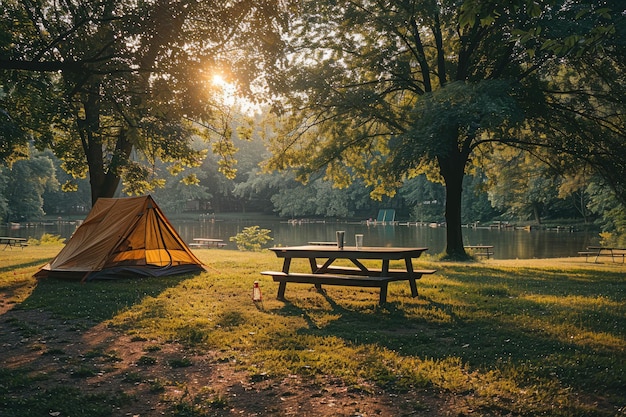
{"x":103,"y":178}
{"x":452,"y":168}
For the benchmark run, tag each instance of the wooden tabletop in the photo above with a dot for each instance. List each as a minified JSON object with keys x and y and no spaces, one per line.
{"x":367,"y":252}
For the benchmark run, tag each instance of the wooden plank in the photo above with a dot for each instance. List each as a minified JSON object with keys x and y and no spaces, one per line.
{"x":376,"y":271}
{"x":342,"y":280}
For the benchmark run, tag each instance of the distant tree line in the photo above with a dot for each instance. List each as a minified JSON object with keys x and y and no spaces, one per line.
{"x":512,"y":187}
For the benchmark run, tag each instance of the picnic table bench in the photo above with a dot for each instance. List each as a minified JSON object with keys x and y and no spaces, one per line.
{"x":598,"y":251}
{"x":200,"y":242}
{"x":357,"y":276}
{"x":481,"y":250}
{"x":13,"y":242}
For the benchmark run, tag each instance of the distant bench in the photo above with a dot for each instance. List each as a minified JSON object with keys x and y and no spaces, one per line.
{"x":205,"y":245}
{"x":481,"y":250}
{"x":13,"y":242}
{"x":355,"y":279}
{"x":201,"y":242}
{"x":598,"y":251}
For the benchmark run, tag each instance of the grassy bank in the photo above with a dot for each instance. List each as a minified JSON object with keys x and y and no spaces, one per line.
{"x":490,"y":338}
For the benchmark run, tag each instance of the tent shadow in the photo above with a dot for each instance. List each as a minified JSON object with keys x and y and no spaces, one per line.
{"x":96,"y":300}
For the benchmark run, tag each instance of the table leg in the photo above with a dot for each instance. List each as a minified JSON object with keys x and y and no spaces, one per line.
{"x":323,"y":268}
{"x":283,"y":285}
{"x":384,"y":271}
{"x":409,"y":270}
{"x":360,"y":265}
{"x":286,"y":265}
{"x":313,"y":263}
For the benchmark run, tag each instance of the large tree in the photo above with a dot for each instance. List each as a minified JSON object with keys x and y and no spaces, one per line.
{"x":385,"y":90}
{"x":114,"y":86}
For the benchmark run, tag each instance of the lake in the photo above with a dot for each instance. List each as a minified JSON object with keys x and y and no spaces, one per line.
{"x":508,"y":243}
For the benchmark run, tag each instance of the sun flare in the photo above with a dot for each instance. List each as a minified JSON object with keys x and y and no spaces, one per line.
{"x":218,"y":80}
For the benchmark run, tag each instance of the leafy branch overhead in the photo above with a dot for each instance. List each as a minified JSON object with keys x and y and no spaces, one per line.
{"x":114,"y":86}
{"x":387,"y":90}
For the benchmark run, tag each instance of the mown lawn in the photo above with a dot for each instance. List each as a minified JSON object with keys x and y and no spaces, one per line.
{"x":523,"y":338}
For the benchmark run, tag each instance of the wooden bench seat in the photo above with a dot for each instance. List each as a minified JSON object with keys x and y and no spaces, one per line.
{"x":375,"y":272}
{"x":355,"y":280}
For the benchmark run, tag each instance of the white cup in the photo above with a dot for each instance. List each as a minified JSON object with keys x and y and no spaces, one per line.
{"x":358,"y":240}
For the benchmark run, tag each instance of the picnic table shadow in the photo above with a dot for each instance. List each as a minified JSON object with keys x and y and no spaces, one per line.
{"x":486,"y":343}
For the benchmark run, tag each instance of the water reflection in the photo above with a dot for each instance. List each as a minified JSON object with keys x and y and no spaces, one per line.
{"x":509,"y":244}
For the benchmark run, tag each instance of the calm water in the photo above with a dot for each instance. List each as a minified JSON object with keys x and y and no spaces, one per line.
{"x":509,"y":244}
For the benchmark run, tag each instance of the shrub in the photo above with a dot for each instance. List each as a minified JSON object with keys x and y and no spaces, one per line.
{"x":251,"y":238}
{"x":47,"y":239}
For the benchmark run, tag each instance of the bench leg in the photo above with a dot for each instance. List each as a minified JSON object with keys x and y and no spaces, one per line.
{"x":318,"y":287}
{"x":281,"y":290}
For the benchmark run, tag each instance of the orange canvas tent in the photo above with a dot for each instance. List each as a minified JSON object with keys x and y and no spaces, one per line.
{"x":123,"y":237}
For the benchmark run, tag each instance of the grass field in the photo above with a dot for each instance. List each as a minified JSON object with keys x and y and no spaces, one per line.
{"x":493,"y":338}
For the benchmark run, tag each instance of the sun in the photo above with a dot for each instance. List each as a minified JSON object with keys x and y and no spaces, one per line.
{"x":226,"y":93}
{"x":218,"y":80}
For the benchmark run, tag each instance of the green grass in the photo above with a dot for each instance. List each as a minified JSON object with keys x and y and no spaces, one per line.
{"x":510,"y":340}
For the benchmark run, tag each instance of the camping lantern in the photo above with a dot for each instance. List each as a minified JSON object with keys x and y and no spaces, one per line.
{"x":256,"y":292}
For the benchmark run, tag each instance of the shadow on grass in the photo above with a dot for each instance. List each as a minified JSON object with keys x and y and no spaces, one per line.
{"x":532,"y":325}
{"x":37,"y":262}
{"x":97,"y":300}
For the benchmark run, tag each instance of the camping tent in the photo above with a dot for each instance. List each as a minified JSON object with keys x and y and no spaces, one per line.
{"x":122,"y":237}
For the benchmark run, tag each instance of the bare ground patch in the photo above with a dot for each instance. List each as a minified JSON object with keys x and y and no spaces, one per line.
{"x":159,"y":379}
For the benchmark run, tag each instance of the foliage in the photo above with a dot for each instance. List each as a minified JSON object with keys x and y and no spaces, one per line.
{"x":128,"y":84}
{"x":47,"y":239}
{"x":251,"y":238}
{"x":520,"y":338}
{"x":26,"y":181}
{"x":387,"y":90}
{"x":519,"y":185}
{"x":612,"y":214}
{"x":426,"y":197}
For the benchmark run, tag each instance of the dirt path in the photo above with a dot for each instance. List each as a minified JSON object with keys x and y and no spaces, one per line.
{"x":102,"y":360}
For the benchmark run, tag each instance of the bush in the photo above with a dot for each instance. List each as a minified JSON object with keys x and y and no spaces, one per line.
{"x":251,"y":238}
{"x":47,"y":239}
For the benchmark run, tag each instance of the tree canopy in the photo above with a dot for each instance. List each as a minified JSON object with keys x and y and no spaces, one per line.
{"x":385,"y":90}
{"x":114,"y":86}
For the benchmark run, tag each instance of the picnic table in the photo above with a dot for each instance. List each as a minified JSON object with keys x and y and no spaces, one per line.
{"x":11,"y":242}
{"x":481,"y":250}
{"x":200,"y":242}
{"x":359,"y":275}
{"x":598,"y":251}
